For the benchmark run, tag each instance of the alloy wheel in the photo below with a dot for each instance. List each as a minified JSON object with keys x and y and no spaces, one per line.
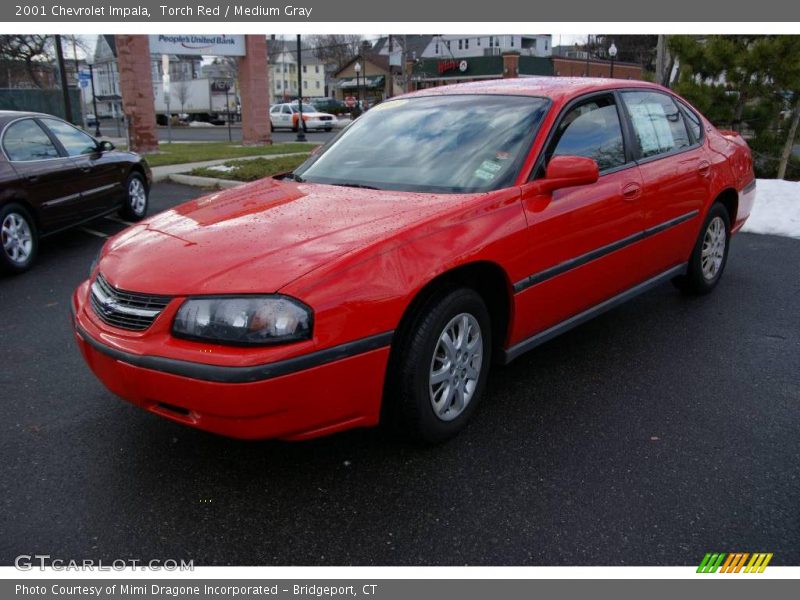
{"x":713,"y":252}
{"x":455,"y":366}
{"x":17,"y":238}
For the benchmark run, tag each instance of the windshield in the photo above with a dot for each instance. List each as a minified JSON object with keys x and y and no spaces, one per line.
{"x":452,"y":144}
{"x":307,"y":108}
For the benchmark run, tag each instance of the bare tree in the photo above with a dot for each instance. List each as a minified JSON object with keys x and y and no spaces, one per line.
{"x":31,"y":50}
{"x":182,"y":90}
{"x":336,"y":48}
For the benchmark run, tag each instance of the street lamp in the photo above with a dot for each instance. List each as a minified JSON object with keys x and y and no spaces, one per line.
{"x":612,"y":52}
{"x":357,"y":69}
{"x":90,"y":62}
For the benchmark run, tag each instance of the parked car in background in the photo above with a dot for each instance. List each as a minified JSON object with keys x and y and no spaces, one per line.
{"x":442,"y":230}
{"x":54,"y":176}
{"x":287,"y":116}
{"x":91,"y":120}
{"x":329,"y":105}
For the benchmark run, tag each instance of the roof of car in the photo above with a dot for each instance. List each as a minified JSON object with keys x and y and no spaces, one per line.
{"x":6,"y":115}
{"x":556,"y":88}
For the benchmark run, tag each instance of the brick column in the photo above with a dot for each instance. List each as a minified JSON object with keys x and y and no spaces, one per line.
{"x":254,"y":88}
{"x":135,"y":84}
{"x":510,"y":65}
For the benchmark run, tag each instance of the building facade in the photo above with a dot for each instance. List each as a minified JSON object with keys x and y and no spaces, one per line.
{"x":282,"y":60}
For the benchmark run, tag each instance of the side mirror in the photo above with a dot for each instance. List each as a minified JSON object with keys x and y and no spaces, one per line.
{"x":105,"y":146}
{"x":568,"y":171}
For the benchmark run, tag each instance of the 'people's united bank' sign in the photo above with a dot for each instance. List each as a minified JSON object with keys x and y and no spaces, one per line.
{"x":211,"y":45}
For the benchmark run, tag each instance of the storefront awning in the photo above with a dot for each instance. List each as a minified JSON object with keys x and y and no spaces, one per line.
{"x":371,"y":81}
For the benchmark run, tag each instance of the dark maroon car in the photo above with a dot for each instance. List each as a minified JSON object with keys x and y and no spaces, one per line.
{"x":54,"y":176}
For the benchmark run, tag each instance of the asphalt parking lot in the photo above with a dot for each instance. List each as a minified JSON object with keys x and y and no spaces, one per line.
{"x":658,"y":432}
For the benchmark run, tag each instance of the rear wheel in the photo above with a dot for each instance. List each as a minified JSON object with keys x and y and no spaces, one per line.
{"x":439,"y":367}
{"x":710,"y":254}
{"x":18,"y":238}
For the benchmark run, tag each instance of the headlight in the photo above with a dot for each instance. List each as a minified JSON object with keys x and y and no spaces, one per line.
{"x":243,"y":320}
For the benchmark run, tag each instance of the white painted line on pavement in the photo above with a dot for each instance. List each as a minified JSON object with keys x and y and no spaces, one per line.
{"x":99,"y":234}
{"x":118,"y":220}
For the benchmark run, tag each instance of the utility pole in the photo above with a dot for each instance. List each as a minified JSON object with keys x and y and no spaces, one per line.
{"x":78,"y":78}
{"x":301,"y":124}
{"x":660,"y":60}
{"x":64,"y":87}
{"x":404,"y":58}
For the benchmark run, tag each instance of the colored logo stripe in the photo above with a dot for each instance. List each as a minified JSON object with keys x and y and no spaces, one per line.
{"x":734,"y":562}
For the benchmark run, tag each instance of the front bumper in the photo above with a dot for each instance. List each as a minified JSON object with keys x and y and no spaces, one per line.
{"x":287,"y":403}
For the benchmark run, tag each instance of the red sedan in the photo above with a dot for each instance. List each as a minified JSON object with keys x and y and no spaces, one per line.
{"x":441,"y":231}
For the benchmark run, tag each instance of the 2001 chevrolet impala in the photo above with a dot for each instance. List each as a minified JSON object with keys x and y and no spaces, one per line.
{"x":442,"y":230}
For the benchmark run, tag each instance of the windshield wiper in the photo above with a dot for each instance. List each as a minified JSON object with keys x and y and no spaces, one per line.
{"x":294,"y":177}
{"x":355,"y":185}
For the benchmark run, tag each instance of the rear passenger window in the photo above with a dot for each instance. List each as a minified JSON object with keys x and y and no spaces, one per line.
{"x":26,"y":140}
{"x":591,"y":129}
{"x":657,"y":122}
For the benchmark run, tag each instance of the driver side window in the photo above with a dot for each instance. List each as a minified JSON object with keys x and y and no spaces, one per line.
{"x":591,"y":129}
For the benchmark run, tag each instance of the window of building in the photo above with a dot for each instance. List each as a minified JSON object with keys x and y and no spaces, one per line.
{"x":491,"y":41}
{"x":316,"y":68}
{"x":305,"y":68}
{"x":317,"y":84}
{"x":447,"y":43}
{"x":466,"y":44}
{"x":511,"y":40}
{"x":478,"y":41}
{"x":460,"y":44}
{"x":305,"y":84}
{"x":436,"y":48}
{"x":591,"y":129}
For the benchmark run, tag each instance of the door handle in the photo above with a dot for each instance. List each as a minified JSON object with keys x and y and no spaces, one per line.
{"x":33,"y":178}
{"x":704,"y":169}
{"x":631,"y":191}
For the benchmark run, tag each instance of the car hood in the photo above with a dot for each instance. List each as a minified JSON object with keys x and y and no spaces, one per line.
{"x":259,"y":237}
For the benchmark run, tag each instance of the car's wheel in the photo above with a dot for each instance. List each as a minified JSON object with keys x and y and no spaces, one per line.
{"x":136,"y":198}
{"x":439,"y":366}
{"x":271,"y":127}
{"x":18,"y":237}
{"x":710,"y":254}
{"x":295,"y":127}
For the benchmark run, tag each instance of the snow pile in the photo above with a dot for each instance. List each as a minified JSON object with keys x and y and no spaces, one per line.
{"x":777,"y":208}
{"x":222,"y":168}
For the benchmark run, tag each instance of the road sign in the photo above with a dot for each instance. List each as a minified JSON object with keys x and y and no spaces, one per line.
{"x":84,"y":83}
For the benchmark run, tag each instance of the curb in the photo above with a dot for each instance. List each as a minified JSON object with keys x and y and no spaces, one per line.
{"x":203,"y":182}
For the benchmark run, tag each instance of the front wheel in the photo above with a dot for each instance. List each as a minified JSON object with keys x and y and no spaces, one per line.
{"x":439,"y":368}
{"x":19,"y":238}
{"x":710,"y":254}
{"x":136,"y":198}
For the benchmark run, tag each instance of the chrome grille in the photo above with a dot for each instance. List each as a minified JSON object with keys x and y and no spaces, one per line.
{"x":126,"y":310}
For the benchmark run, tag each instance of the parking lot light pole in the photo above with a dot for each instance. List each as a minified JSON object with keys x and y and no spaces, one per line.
{"x":90,"y":62}
{"x":612,"y":52}
{"x":357,"y":69}
{"x":301,"y":125}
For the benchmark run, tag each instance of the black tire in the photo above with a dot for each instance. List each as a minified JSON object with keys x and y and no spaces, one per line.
{"x":408,"y":404}
{"x":271,"y":126}
{"x":17,"y":234}
{"x":697,"y":282}
{"x":295,"y":127}
{"x":133,"y":209}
